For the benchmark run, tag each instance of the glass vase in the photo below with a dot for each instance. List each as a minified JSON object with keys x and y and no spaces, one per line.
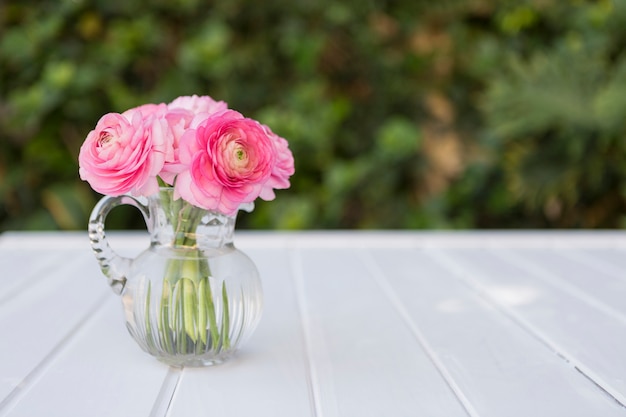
{"x":191,"y":298}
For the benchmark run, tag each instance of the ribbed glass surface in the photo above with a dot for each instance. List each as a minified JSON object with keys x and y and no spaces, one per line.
{"x":191,"y":298}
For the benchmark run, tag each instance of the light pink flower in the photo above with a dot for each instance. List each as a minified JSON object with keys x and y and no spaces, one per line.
{"x":124,"y":153}
{"x":178,"y":121}
{"x":227,"y":159}
{"x":282,"y":169}
{"x":198,"y":104}
{"x":147,"y":110}
{"x":181,"y":114}
{"x":215,"y":158}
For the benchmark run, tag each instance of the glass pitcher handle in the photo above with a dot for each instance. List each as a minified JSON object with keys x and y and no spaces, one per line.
{"x":113,"y":266}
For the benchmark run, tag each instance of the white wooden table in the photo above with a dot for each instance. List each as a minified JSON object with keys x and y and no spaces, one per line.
{"x":359,"y":324}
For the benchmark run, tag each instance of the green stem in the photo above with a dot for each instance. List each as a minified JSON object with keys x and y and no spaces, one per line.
{"x":202,"y":310}
{"x":210,"y":308}
{"x":164,"y":320}
{"x":190,"y":276}
{"x":225,"y":319}
{"x":187,"y":313}
{"x":148,"y":324}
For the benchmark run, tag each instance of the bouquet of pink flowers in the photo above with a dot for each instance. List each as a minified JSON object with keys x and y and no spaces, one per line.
{"x":191,"y":155}
{"x":214,"y":157}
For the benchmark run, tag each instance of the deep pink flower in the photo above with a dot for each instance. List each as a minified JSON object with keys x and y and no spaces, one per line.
{"x":282,"y":169}
{"x":124,"y":153}
{"x":181,"y":114}
{"x":227,"y":160}
{"x":215,"y":158}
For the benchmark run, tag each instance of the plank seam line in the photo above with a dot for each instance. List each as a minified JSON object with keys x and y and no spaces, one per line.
{"x":557,"y":282}
{"x":14,"y":293}
{"x":169,"y":388}
{"x":9,"y":402}
{"x":599,"y":265}
{"x":382,"y":281}
{"x":464,"y":276}
{"x":600,"y":387}
{"x":312,"y":376}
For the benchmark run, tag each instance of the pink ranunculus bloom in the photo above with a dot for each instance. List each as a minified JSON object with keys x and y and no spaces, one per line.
{"x":178,"y":121}
{"x":283,"y":167}
{"x":156,"y":114}
{"x":198,"y":104}
{"x":147,"y":110}
{"x":227,"y":160}
{"x":124,"y":153}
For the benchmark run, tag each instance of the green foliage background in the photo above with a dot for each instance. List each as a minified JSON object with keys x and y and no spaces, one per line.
{"x":400,"y":114}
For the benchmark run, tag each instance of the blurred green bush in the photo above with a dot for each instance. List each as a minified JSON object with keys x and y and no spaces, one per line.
{"x":400,"y":114}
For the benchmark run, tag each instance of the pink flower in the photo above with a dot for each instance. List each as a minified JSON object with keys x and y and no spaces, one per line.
{"x":198,"y":104}
{"x":178,"y":121}
{"x":124,"y":153}
{"x":147,"y":110}
{"x":215,"y":158}
{"x":181,"y":114}
{"x":282,"y":169}
{"x":227,"y":160}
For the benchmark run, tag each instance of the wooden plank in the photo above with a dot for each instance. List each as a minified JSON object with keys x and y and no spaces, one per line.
{"x":593,"y":282}
{"x":574,"y":327}
{"x":610,"y":262}
{"x":21,"y":268}
{"x":99,"y":371}
{"x":55,"y":360}
{"x":269,"y":376}
{"x":38,"y":318}
{"x":366,"y":361}
{"x":342,"y":334}
{"x":498,"y":366}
